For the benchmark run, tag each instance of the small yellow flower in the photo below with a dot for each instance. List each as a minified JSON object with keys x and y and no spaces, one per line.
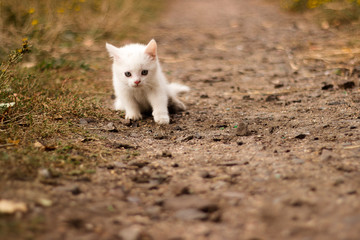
{"x":34,"y":22}
{"x":77,"y":8}
{"x":31,"y":10}
{"x":25,"y":39}
{"x":60,"y":10}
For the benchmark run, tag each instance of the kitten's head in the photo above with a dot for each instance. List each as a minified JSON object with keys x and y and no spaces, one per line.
{"x":134,"y":64}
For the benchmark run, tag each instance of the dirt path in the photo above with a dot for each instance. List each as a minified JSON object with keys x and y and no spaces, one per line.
{"x":269,"y":147}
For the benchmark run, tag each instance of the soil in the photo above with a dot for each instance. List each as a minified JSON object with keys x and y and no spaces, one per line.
{"x":269,"y":147}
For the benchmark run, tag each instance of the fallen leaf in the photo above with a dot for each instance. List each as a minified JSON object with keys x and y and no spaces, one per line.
{"x":6,"y":105}
{"x":10,"y":207}
{"x":13,"y":142}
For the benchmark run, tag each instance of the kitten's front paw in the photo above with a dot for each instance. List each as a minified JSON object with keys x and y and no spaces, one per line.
{"x":162,"y":119}
{"x":133,"y":116}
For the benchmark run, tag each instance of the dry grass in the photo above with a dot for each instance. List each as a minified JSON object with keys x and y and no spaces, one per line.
{"x":44,"y":93}
{"x":48,"y":23}
{"x":329,"y":12}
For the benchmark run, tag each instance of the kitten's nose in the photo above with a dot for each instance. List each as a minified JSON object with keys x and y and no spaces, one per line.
{"x":137,"y":82}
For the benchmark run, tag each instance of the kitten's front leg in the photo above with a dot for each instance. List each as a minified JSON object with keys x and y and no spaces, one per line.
{"x":159,"y":104}
{"x":132,"y":110}
{"x":118,"y":105}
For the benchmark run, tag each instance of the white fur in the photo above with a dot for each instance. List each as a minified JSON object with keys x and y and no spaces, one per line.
{"x":152,"y":93}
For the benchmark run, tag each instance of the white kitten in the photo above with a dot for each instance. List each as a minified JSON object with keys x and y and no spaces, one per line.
{"x":139,"y":83}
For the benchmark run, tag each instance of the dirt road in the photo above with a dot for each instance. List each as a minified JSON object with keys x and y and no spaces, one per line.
{"x":269,"y":147}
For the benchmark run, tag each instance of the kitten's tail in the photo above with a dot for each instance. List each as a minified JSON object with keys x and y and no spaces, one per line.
{"x":176,"y":88}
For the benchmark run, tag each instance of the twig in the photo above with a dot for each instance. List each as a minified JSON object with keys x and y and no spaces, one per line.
{"x":7,"y":145}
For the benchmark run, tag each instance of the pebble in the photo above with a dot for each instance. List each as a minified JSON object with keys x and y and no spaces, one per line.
{"x":206,"y":174}
{"x":272,"y":98}
{"x":131,"y":233}
{"x":236,"y":195}
{"x":45,"y":202}
{"x":327,"y":155}
{"x":86,"y":120}
{"x":180,"y":189}
{"x":190,"y":201}
{"x":121,"y":145}
{"x":110,"y":127}
{"x":166,"y":154}
{"x":44,"y":173}
{"x":138,"y":163}
{"x":242,"y":129}
{"x":233,"y":163}
{"x":190,"y":214}
{"x":297,"y":160}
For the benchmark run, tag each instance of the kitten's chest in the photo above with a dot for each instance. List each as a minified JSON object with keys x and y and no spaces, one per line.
{"x":141,"y":98}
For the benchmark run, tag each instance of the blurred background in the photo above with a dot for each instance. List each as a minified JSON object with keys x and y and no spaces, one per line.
{"x":68,"y":23}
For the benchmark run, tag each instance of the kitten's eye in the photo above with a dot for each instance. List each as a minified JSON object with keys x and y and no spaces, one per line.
{"x":128,"y":74}
{"x":144,"y":72}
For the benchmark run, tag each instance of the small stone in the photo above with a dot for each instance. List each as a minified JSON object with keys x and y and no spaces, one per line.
{"x":83,"y":121}
{"x":126,"y":122}
{"x":166,"y":154}
{"x":175,"y":165}
{"x":138,"y":163}
{"x":180,"y":189}
{"x":44,"y":173}
{"x":272,"y":98}
{"x":190,"y":214}
{"x":118,"y":164}
{"x":121,"y":145}
{"x":233,"y":163}
{"x":234,"y":195}
{"x":110,"y":127}
{"x":188,"y":138}
{"x":133,"y":199}
{"x":45,"y":202}
{"x":75,"y":190}
{"x":86,"y":120}
{"x":178,"y":128}
{"x":206,"y":174}
{"x":298,"y":161}
{"x":131,"y":233}
{"x":247,"y":97}
{"x":328,"y":155}
{"x":190,"y":201}
{"x":242,"y":129}
{"x":153,"y":211}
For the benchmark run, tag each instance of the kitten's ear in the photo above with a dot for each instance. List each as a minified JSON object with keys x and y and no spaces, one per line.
{"x":151,"y":49}
{"x":113,"y":51}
